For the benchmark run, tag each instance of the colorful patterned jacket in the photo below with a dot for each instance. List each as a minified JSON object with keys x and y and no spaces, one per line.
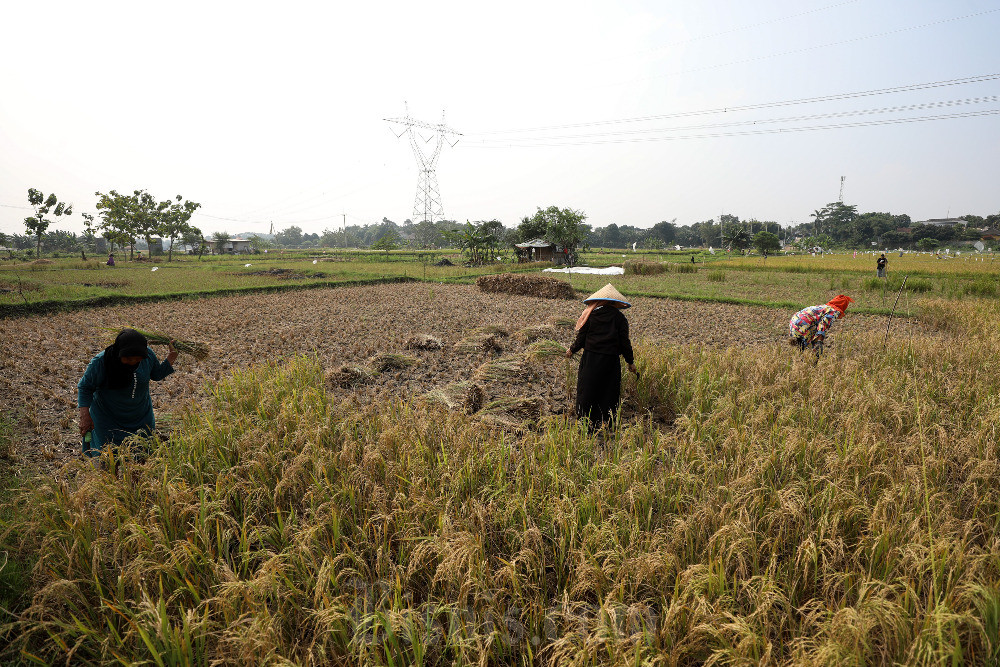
{"x":812,"y":323}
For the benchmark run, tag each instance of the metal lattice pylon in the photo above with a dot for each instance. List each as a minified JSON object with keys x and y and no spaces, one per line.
{"x":427,"y":204}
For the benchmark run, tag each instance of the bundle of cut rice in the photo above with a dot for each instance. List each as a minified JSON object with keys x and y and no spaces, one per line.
{"x":480,"y":342}
{"x":531,"y":334}
{"x":563,"y":322}
{"x":349,"y":375}
{"x":494,"y":330}
{"x":388,"y":361}
{"x":518,"y":409}
{"x":526,"y":285}
{"x":504,"y":369}
{"x":466,"y":395}
{"x":545,"y":348}
{"x":197,"y":350}
{"x":424,"y":342}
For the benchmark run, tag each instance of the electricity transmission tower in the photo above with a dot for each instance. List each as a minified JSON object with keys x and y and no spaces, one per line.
{"x":427,"y":204}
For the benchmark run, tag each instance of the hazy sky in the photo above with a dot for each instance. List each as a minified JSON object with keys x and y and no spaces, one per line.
{"x":273,"y":112}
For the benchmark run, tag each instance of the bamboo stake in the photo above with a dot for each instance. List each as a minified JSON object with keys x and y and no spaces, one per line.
{"x":886,"y":341}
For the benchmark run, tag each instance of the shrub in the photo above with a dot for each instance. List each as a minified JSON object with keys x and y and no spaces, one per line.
{"x":641,"y":268}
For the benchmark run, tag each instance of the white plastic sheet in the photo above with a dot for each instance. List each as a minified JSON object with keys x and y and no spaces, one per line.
{"x":609,"y":271}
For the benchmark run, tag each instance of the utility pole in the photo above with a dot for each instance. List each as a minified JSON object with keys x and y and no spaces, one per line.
{"x":427,"y":203}
{"x":841,"y":200}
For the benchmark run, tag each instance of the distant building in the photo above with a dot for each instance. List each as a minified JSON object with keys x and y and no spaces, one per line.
{"x":540,"y":250}
{"x":230,"y":247}
{"x":942,"y":222}
{"x":990,"y":235}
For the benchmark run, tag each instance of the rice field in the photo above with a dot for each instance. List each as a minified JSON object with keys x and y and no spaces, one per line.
{"x":753,"y":506}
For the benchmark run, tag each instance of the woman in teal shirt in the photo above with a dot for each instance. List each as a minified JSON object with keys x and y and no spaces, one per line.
{"x":113,"y":394}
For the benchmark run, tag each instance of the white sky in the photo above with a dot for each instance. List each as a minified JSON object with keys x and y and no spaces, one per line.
{"x":273,"y":112}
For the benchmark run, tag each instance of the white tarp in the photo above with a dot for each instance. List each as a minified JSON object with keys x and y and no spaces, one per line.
{"x":609,"y":271}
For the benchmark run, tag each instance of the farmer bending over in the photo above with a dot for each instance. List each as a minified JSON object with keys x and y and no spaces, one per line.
{"x":809,"y":326}
{"x":602,"y":333}
{"x":113,"y":394}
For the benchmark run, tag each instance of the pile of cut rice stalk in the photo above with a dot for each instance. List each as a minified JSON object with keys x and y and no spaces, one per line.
{"x":518,"y":409}
{"x":424,"y":342}
{"x":480,"y":342}
{"x":545,"y":348}
{"x":349,"y":375}
{"x":504,"y":369}
{"x":465,"y":394}
{"x":564,"y":322}
{"x":389,"y":361}
{"x":197,"y":350}
{"x":531,"y":334}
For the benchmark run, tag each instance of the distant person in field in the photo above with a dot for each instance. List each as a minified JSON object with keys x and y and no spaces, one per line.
{"x":113,"y":394}
{"x":880,"y":265}
{"x":809,"y":326}
{"x":111,"y":259}
{"x":602,"y":334}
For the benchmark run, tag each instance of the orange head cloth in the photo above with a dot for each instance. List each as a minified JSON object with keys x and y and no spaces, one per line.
{"x":840,"y":302}
{"x":586,"y":313}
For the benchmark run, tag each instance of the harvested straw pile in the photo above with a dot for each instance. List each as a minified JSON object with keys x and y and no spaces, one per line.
{"x":562,"y":322}
{"x":349,"y":375}
{"x":480,"y":342}
{"x":640,"y":268}
{"x":545,"y":349}
{"x":504,"y":369}
{"x":516,"y":409}
{"x":531,"y":334}
{"x":464,"y":395}
{"x":388,"y":361}
{"x":424,"y":342}
{"x":515,"y":283}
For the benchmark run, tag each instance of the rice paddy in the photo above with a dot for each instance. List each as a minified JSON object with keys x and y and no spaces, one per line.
{"x":327,"y":491}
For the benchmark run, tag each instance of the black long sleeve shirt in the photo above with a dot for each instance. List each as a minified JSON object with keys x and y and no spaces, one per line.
{"x":606,"y":332}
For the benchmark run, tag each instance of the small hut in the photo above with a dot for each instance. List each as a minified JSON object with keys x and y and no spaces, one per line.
{"x":540,"y":250}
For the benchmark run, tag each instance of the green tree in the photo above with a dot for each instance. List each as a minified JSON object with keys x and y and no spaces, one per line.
{"x":735,"y":235}
{"x":193,"y":237}
{"x":117,"y":222}
{"x":38,"y":223}
{"x":563,"y":226}
{"x":532,"y":228}
{"x":174,"y":217}
{"x":928,"y":243}
{"x":766,"y":242}
{"x":89,"y":234}
{"x":292,"y":236}
{"x":388,"y":242}
{"x":221,"y":239}
{"x":258,"y":243}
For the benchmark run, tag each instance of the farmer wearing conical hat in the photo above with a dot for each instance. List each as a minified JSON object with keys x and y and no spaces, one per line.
{"x":113,"y":394}
{"x":602,"y":333}
{"x":809,"y":326}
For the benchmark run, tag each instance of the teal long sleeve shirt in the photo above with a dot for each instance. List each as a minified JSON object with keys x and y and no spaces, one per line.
{"x":118,"y":413}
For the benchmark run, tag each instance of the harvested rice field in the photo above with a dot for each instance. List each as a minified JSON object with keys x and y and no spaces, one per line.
{"x":43,"y":357}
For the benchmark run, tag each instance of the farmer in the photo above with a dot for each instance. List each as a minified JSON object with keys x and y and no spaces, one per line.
{"x":111,"y":259}
{"x":809,"y":326}
{"x":880,"y":265}
{"x":602,"y":333}
{"x":113,"y":394}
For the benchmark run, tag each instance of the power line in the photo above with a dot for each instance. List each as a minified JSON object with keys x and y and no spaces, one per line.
{"x":778,"y":130}
{"x":763,"y":105}
{"x":764,"y":121}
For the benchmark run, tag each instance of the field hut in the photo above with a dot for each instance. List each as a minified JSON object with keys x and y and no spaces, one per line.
{"x":540,"y":250}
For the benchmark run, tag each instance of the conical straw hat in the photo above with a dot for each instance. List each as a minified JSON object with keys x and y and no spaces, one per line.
{"x":609,"y":293}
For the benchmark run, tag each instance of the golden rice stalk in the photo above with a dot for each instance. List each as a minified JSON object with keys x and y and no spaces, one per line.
{"x":480,"y":342}
{"x":389,"y":361}
{"x":564,"y":322}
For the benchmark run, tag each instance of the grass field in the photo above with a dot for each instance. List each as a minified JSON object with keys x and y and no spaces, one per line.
{"x":791,"y":511}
